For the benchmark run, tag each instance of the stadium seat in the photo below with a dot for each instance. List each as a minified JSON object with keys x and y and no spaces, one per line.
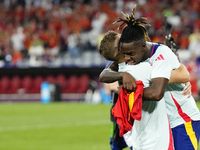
{"x":37,"y":81}
{"x":15,"y":84}
{"x":72,"y":84}
{"x":50,"y":79}
{"x":62,"y":81}
{"x":27,"y":84}
{"x":83,"y":83}
{"x":5,"y":84}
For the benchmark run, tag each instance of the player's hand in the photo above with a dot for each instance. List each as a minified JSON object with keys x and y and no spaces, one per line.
{"x":119,"y":88}
{"x":129,"y":82}
{"x":188,"y":89}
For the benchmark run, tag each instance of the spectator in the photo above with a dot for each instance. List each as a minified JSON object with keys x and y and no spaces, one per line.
{"x":17,"y":40}
{"x":53,"y":19}
{"x":36,"y":52}
{"x":192,"y":67}
{"x":73,"y":44}
{"x":194,"y":41}
{"x":53,"y":43}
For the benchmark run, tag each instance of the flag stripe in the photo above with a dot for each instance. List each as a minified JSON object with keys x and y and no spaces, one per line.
{"x":130,"y":103}
{"x":191,"y":134}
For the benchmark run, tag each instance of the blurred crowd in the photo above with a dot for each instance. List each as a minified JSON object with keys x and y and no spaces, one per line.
{"x":63,"y":33}
{"x":35,"y":33}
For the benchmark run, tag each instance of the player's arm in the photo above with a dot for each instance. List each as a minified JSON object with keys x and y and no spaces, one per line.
{"x":113,"y":86}
{"x":110,"y":75}
{"x":156,"y":90}
{"x":180,"y":75}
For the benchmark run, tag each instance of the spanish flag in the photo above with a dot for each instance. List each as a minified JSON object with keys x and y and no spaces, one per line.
{"x":128,"y":108}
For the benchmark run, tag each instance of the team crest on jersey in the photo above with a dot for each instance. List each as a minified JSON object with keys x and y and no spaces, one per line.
{"x":160,"y":57}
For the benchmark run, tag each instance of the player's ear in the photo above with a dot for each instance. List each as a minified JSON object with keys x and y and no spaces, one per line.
{"x":144,"y":45}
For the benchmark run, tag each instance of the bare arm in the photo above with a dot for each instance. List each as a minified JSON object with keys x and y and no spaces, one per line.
{"x":110,"y":75}
{"x":107,"y":88}
{"x":113,"y":86}
{"x":180,"y":75}
{"x":156,"y":90}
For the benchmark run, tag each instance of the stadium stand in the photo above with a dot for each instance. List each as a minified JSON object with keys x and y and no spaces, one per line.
{"x":66,"y":34}
{"x":37,"y":81}
{"x":5,"y":84}
{"x":62,"y":81}
{"x":83,"y":83}
{"x":15,"y":84}
{"x":73,"y":84}
{"x":27,"y":83}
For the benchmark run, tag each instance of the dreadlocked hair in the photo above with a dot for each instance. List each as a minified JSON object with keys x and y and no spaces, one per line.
{"x":134,"y":29}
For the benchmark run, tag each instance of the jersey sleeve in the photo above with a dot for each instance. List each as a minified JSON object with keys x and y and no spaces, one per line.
{"x":164,"y":61}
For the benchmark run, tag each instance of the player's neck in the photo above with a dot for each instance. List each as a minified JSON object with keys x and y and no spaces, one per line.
{"x":147,"y":50}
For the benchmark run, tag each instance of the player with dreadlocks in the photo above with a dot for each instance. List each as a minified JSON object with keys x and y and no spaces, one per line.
{"x":117,"y":142}
{"x":145,"y":134}
{"x":182,"y":111}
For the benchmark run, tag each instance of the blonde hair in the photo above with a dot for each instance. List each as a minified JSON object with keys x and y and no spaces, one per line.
{"x":107,"y":48}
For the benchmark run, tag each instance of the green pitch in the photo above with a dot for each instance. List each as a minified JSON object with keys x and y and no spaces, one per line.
{"x":54,"y":126}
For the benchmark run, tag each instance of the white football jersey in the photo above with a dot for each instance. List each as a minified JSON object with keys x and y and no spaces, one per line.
{"x":153,"y":131}
{"x":180,"y":109}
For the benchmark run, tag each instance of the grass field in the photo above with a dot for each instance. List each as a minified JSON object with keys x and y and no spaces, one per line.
{"x":54,"y":126}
